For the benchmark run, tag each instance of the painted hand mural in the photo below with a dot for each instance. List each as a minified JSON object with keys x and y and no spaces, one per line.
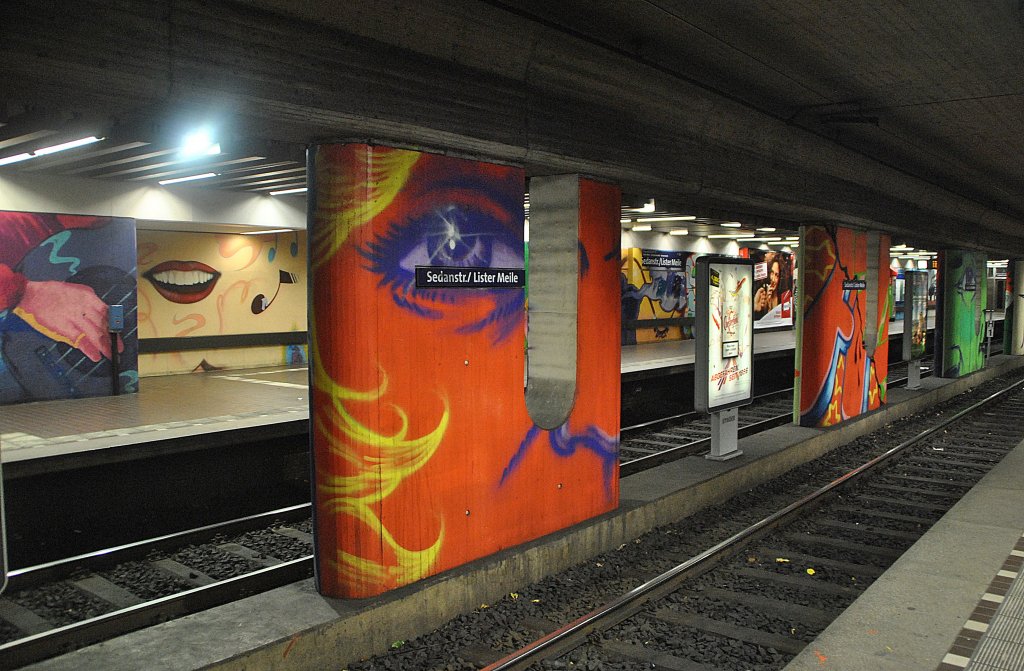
{"x":58,"y":274}
{"x":425,"y":456}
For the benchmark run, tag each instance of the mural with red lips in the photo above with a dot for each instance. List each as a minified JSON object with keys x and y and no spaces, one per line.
{"x":424,"y":454}
{"x":183,"y":281}
{"x":215,"y":284}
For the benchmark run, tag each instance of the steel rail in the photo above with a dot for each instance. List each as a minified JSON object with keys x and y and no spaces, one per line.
{"x":23,"y":578}
{"x":571,"y":635}
{"x":43,"y":645}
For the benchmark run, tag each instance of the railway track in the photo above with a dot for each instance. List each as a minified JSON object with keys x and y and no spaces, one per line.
{"x":62,"y":605}
{"x":757,"y":598}
{"x":59,"y":606}
{"x":654,"y":443}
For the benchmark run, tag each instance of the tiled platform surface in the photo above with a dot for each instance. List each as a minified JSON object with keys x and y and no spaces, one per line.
{"x":167,"y":407}
{"x":294,"y":628}
{"x":954,"y":601}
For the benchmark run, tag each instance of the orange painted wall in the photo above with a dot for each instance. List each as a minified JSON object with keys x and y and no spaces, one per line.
{"x":424,"y":455}
{"x":837,"y":378}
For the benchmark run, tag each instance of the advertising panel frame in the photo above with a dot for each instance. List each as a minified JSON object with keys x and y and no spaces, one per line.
{"x":705,"y":360}
{"x":915,"y":300}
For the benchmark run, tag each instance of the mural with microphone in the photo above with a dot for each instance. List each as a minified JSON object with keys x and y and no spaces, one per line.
{"x":216,"y":284}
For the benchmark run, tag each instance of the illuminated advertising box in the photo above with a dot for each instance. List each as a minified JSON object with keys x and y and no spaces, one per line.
{"x":915,"y":314}
{"x":725,"y":333}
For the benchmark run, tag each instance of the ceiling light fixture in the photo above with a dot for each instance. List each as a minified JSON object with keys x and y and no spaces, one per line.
{"x":682,"y":218}
{"x":52,"y":149}
{"x":732,"y":224}
{"x":205,"y":175}
{"x":765,"y":239}
{"x":285,"y":192}
{"x":734,"y":236}
{"x":199,"y":143}
{"x":647,"y":207}
{"x":267,"y":232}
{"x":766,"y":229}
{"x":679,"y":231}
{"x":641,"y":228}
{"x":14,"y":159}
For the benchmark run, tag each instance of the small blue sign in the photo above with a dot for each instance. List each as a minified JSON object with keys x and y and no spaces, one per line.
{"x":115,"y":318}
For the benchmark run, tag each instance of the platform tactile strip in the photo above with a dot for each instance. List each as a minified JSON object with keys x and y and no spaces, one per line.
{"x":992,"y":639}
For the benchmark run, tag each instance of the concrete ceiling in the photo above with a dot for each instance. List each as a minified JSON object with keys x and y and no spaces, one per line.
{"x":902,"y":115}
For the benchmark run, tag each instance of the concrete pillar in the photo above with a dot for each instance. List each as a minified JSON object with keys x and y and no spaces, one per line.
{"x":842,"y":334}
{"x":960,"y":340}
{"x":424,"y":454}
{"x":1014,"y":326}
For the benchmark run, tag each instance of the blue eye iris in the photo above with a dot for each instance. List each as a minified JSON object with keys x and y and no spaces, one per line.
{"x":453,"y":235}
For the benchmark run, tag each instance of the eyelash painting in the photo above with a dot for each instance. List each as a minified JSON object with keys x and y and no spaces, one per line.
{"x":449,"y":234}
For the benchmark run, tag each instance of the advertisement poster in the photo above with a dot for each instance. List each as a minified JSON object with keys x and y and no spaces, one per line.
{"x":725,"y":332}
{"x":915,"y":328}
{"x":657,"y":285}
{"x":773,"y":288}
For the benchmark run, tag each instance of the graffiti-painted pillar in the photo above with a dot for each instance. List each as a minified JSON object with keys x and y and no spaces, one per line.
{"x":1013,"y":327}
{"x":960,"y":342}
{"x":842,"y":336}
{"x":424,"y":454}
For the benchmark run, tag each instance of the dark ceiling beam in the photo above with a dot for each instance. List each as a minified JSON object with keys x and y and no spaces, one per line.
{"x":533,"y":94}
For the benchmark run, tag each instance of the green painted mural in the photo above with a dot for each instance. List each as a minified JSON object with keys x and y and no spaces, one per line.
{"x":963,"y":312}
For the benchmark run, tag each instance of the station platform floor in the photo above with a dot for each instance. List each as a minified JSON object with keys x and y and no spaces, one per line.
{"x":957,"y":585}
{"x":168,"y":410}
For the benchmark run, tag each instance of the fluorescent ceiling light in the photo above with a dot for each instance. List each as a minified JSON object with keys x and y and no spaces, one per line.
{"x":900,"y":248}
{"x":734,"y":236}
{"x":647,"y":207}
{"x":52,"y":149}
{"x":732,"y":224}
{"x":15,"y":158}
{"x":625,"y":221}
{"x":767,"y":229}
{"x":175,"y":180}
{"x":285,"y":192}
{"x":679,"y":231}
{"x":642,"y":227}
{"x":765,"y":239}
{"x":263,"y":233}
{"x":66,"y":145}
{"x":657,"y":219}
{"x":199,"y":143}
{"x":793,"y":238}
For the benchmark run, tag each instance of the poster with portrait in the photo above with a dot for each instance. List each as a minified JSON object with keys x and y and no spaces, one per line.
{"x":725,"y":333}
{"x":773,"y":288}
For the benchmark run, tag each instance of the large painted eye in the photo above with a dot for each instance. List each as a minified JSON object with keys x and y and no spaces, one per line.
{"x":453,"y":236}
{"x":454,"y":231}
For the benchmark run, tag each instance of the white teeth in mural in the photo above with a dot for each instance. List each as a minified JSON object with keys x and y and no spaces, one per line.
{"x":183,"y":278}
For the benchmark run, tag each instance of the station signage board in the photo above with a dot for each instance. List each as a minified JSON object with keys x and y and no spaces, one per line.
{"x":444,"y":277}
{"x":915,"y":314}
{"x":724,"y":334}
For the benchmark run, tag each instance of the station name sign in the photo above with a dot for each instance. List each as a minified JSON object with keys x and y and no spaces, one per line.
{"x":855,"y":285}
{"x":442,"y":277}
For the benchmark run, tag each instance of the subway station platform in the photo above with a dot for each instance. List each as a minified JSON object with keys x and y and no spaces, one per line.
{"x":200,"y":410}
{"x":920,"y":612}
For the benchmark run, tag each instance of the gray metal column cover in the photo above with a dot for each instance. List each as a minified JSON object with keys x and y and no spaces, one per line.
{"x":1017,"y":328}
{"x":551,"y":316}
{"x":874,"y":277}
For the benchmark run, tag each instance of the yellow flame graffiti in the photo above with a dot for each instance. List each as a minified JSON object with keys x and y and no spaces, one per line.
{"x":350,"y":197}
{"x":381,"y":463}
